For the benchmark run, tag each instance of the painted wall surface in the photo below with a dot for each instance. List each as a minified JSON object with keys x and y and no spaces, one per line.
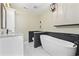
{"x":50,"y":18}
{"x":0,"y":16}
{"x":26,"y":21}
{"x":67,"y":13}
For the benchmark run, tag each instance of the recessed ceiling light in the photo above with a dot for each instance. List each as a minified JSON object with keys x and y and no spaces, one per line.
{"x":25,"y":8}
{"x":35,"y":7}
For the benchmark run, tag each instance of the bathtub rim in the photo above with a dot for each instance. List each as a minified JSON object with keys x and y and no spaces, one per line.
{"x":72,"y":44}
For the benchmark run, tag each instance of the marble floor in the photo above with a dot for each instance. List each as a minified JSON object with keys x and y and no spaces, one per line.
{"x":29,"y":50}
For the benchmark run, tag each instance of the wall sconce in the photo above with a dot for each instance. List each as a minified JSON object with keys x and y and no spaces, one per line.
{"x":6,"y":4}
{"x":53,"y":7}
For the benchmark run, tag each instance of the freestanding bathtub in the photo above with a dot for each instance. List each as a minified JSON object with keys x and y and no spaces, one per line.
{"x":57,"y":47}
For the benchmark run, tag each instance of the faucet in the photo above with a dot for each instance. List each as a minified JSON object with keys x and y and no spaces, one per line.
{"x":76,"y":42}
{"x":7,"y":31}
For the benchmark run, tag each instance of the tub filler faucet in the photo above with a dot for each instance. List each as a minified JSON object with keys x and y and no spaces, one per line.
{"x":76,"y":43}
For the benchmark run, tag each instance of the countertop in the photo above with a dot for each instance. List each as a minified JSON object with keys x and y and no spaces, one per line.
{"x":10,"y":35}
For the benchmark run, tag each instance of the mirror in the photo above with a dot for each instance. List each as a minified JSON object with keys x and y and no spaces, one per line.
{"x":7,"y":17}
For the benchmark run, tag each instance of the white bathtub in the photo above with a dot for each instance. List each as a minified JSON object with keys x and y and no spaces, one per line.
{"x":58,"y":47}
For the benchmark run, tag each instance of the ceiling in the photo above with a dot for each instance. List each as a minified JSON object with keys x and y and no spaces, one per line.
{"x":34,"y":7}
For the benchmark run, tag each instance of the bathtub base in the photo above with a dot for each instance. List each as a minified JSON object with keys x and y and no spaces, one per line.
{"x":54,"y":48}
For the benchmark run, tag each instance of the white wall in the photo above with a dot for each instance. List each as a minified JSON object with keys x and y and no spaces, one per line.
{"x":67,"y":13}
{"x":48,"y":20}
{"x":0,"y":16}
{"x":26,"y":21}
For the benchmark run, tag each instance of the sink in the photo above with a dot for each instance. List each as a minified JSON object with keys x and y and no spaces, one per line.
{"x":9,"y":34}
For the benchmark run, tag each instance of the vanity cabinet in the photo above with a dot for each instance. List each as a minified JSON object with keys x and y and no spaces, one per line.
{"x":11,"y":45}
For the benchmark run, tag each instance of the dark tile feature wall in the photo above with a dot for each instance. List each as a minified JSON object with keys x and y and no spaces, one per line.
{"x":37,"y":41}
{"x":31,"y":34}
{"x":64,"y":36}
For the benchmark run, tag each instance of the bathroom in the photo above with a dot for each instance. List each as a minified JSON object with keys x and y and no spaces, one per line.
{"x":23,"y":20}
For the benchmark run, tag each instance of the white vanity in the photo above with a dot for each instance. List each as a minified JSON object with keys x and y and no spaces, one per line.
{"x":11,"y":44}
